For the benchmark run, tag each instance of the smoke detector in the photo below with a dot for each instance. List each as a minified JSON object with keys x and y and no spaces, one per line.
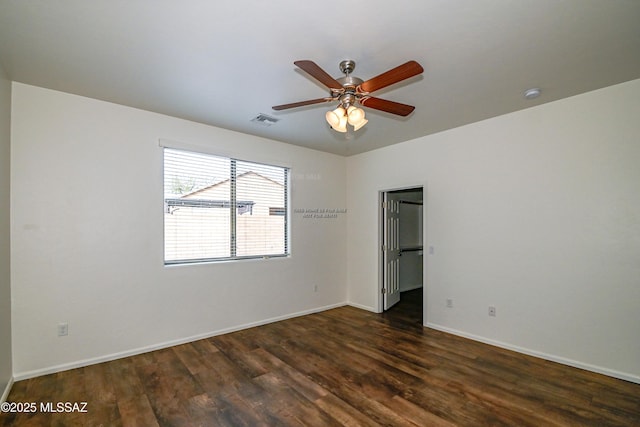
{"x":532,"y":93}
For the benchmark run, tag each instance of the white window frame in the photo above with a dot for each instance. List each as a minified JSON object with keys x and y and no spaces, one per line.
{"x":232,"y":205}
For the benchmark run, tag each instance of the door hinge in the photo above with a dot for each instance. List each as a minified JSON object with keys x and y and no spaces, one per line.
{"x":384,"y":291}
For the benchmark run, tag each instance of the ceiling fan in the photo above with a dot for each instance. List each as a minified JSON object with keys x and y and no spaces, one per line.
{"x":350,"y":91}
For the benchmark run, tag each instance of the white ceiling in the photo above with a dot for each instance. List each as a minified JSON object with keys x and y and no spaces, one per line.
{"x":223,"y":62}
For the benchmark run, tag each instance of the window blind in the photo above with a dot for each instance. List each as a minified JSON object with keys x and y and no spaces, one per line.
{"x":219,"y":208}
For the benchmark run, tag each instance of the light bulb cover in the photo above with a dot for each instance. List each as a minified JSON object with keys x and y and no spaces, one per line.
{"x":355,"y":116}
{"x":334,"y":117}
{"x":359,"y":125}
{"x":342,"y":125}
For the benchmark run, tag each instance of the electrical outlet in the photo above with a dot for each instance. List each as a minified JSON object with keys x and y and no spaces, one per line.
{"x":449,"y":303}
{"x":492,"y":311}
{"x":63,"y":329}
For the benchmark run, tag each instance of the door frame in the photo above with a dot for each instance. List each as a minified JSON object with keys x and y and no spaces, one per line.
{"x":381,"y":196}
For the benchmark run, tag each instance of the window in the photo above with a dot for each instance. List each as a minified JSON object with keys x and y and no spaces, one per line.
{"x":217,"y":208}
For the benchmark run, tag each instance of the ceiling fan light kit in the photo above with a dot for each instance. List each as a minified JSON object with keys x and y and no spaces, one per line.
{"x":339,"y":118}
{"x":350,"y":91}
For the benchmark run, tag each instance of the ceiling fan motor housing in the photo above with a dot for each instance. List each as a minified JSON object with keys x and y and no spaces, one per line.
{"x":349,"y":95}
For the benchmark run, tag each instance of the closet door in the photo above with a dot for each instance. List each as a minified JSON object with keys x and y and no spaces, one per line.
{"x":391,"y":251}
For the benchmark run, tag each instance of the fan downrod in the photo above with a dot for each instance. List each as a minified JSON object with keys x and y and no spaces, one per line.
{"x":349,"y":82}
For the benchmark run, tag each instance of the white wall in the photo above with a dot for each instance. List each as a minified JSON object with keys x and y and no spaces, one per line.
{"x":5,"y":244}
{"x":536,"y":213}
{"x":87,"y":235}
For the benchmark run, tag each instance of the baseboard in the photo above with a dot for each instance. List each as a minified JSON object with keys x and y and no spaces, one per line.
{"x":107,"y":358}
{"x":411,"y":287}
{"x":362,"y":307}
{"x":564,"y":361}
{"x":7,"y":389}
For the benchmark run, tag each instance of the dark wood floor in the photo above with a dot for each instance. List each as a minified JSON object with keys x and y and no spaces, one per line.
{"x":340,"y":367}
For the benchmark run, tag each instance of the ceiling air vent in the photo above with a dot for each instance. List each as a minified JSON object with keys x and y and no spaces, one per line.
{"x":264,"y":120}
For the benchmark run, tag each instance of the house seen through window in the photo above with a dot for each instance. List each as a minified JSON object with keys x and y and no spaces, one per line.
{"x":218,"y":208}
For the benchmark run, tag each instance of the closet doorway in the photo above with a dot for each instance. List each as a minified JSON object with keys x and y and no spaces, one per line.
{"x":401,"y":261}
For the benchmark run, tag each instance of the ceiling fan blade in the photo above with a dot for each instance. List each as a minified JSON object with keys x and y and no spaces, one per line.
{"x":318,"y":73}
{"x":301,"y":103}
{"x":395,"y":75}
{"x":387,"y":106}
